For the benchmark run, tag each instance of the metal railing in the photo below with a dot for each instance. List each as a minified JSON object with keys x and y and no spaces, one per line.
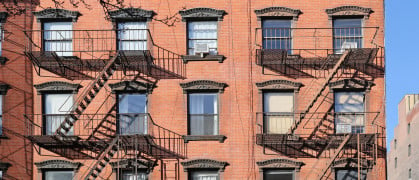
{"x":99,"y":127}
{"x":86,"y":50}
{"x":324,"y":123}
{"x":305,"y":45}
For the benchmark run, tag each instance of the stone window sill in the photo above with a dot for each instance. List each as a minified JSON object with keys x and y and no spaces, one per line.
{"x":219,"y":138}
{"x":187,"y":58}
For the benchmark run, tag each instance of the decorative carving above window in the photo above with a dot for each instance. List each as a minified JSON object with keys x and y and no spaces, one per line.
{"x":279,"y":84}
{"x":280,"y":163}
{"x":132,"y":86}
{"x":351,"y":163}
{"x":131,"y":163}
{"x":351,"y":84}
{"x":202,"y":13}
{"x":57,"y":164}
{"x":4,"y":166}
{"x":57,"y":86}
{"x":204,"y":164}
{"x":202,"y":85}
{"x":277,"y":11}
{"x":4,"y":88}
{"x":51,"y":13}
{"x":349,"y":11}
{"x":3,"y":17}
{"x":132,"y":14}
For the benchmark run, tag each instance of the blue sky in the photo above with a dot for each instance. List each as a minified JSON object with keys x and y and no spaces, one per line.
{"x":402,"y":55}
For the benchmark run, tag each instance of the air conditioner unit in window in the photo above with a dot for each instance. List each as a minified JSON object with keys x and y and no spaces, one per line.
{"x":343,"y":128}
{"x":347,"y":45}
{"x":201,"y":48}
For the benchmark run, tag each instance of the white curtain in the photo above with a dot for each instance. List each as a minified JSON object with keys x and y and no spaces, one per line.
{"x":55,"y":105}
{"x":349,"y":108}
{"x":132,"y":117}
{"x":58,"y":37}
{"x":133,"y":176}
{"x":203,"y":112}
{"x":278,"y":108}
{"x":132,"y":36}
{"x":202,"y":32}
{"x":59,"y":175}
{"x":205,"y":176}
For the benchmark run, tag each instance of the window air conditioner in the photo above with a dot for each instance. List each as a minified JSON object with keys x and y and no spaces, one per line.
{"x":347,"y":45}
{"x":201,"y":48}
{"x":343,"y":128}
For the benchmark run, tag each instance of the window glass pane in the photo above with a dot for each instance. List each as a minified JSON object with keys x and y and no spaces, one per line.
{"x":1,"y":114}
{"x":278,"y":174}
{"x":56,"y":106}
{"x":204,"y":32}
{"x":277,"y":34}
{"x":61,"y":175}
{"x":130,"y":175}
{"x":132,"y":35}
{"x":349,"y":108}
{"x":1,"y":174}
{"x":132,"y":117}
{"x":58,"y":37}
{"x":1,"y":36}
{"x":347,"y":33}
{"x":278,"y":112}
{"x":203,"y":113}
{"x":350,"y":174}
{"x":204,"y":175}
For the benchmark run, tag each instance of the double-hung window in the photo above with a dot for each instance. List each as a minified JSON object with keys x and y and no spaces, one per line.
{"x":202,"y":33}
{"x":275,"y":174}
{"x":56,"y":109}
{"x":132,"y":110}
{"x":277,"y":34}
{"x":347,"y":34}
{"x":350,"y":174}
{"x":278,"y":110}
{"x":132,"y":36}
{"x":132,"y":175}
{"x":203,"y":113}
{"x":1,"y":115}
{"x":204,"y":175}
{"x":1,"y":37}
{"x":349,"y":112}
{"x":58,"y":38}
{"x":58,"y":174}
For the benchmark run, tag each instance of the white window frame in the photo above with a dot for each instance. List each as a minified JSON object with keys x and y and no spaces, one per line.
{"x":60,"y":40}
{"x":190,"y":49}
{"x":1,"y":114}
{"x":285,"y":117}
{"x":60,"y":109}
{"x":126,"y":33}
{"x":133,"y":115}
{"x":216,"y":113}
{"x":340,"y":115}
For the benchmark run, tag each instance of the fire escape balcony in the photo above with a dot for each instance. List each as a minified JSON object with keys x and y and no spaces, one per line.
{"x":82,"y":54}
{"x":136,"y":134}
{"x":322,"y":132}
{"x":303,"y":52}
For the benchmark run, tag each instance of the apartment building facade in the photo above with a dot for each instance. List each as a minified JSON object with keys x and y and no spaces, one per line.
{"x":208,"y":90}
{"x":16,"y":97}
{"x":402,"y":160}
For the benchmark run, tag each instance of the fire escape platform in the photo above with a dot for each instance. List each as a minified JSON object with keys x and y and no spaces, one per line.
{"x":148,"y":145}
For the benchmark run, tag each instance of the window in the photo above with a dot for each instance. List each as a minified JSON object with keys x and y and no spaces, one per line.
{"x":395,"y":162}
{"x":132,"y":36}
{"x":409,"y":150}
{"x":277,"y":34}
{"x":395,"y":143}
{"x":349,"y":112}
{"x":59,"y":174}
{"x":204,"y":175}
{"x":410,"y":174}
{"x":132,"y":175}
{"x":408,"y":128}
{"x":350,"y":174}
{"x":278,"y":110}
{"x":1,"y":37}
{"x":132,"y":110}
{"x":202,"y":32}
{"x":1,"y":115}
{"x":278,"y":174}
{"x":56,"y":107}
{"x":58,"y":37}
{"x":1,"y":174}
{"x":347,"y":33}
{"x":203,"y":113}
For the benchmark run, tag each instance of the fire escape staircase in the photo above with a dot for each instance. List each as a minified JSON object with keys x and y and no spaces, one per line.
{"x":87,"y":96}
{"x":103,"y":159}
{"x":320,"y":91}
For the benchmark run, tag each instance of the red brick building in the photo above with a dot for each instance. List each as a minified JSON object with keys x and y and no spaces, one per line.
{"x":209,"y":90}
{"x":16,"y":96}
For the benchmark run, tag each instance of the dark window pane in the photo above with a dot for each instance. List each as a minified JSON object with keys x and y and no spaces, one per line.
{"x":132,"y":103}
{"x":203,"y":114}
{"x":278,"y":175}
{"x":347,"y":34}
{"x":277,"y":34}
{"x":132,"y":117}
{"x":350,"y":174}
